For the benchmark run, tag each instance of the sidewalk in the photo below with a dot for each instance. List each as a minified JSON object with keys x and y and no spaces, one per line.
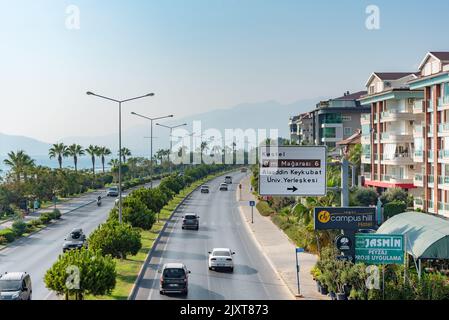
{"x":64,"y":207}
{"x":278,"y":248}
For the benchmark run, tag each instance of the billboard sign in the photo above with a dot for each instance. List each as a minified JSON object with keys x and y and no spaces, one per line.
{"x":292,"y":171}
{"x":379,"y":249}
{"x":350,"y":218}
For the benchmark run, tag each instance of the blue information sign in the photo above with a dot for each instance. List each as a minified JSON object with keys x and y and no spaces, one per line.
{"x":252,"y":203}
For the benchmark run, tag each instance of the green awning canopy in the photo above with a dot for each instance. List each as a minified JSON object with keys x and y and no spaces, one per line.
{"x":427,"y":236}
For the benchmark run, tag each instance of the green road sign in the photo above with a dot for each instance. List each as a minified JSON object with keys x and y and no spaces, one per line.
{"x":379,"y":249}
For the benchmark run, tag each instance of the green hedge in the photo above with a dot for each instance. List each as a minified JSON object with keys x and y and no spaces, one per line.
{"x":265,"y":209}
{"x":393,"y":208}
{"x":8,"y":234}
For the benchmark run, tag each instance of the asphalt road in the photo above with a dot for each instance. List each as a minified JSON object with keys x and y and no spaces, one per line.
{"x":220,"y":226}
{"x":37,"y":253}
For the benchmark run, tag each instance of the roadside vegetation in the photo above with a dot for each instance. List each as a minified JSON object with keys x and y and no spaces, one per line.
{"x":128,"y":244}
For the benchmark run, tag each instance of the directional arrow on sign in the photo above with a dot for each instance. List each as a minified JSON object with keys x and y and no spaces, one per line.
{"x":294,"y":189}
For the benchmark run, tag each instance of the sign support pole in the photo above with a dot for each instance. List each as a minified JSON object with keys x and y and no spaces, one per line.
{"x":298,"y":270}
{"x":252,"y":215}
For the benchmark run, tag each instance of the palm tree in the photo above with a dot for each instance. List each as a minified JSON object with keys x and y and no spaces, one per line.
{"x":104,"y":152}
{"x":203,"y":147}
{"x":113,"y":163}
{"x":19,"y":163}
{"x":125,"y":152}
{"x":59,"y":151}
{"x":75,"y":151}
{"x":93,"y":151}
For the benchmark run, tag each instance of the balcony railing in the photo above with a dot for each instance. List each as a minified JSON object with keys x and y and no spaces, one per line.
{"x":366,"y":157}
{"x":418,"y":106}
{"x":396,"y":156}
{"x":443,"y":154}
{"x":443,"y":101}
{"x":367,"y":175}
{"x":430,"y":204}
{"x":442,"y":180}
{"x":419,"y":202}
{"x":430,"y":179}
{"x":443,"y":128}
{"x":430,"y":154}
{"x":419,"y":177}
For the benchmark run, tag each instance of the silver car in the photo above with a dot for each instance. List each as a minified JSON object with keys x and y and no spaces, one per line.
{"x":15,"y":286}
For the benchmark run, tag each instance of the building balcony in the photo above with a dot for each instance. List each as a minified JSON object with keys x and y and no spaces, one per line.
{"x":418,"y":107}
{"x":366,"y":139}
{"x":443,"y":129}
{"x":430,"y":155}
{"x":365,"y":118}
{"x":443,"y":103}
{"x":397,"y":159}
{"x":397,"y":179}
{"x":367,"y":175}
{"x":398,"y":115}
{"x":430,"y":179}
{"x":387,"y":137}
{"x":418,"y":180}
{"x":443,"y":181}
{"x":443,"y":155}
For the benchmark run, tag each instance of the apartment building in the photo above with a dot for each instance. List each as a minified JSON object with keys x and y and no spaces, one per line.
{"x":391,"y":132}
{"x":337,"y":119}
{"x":293,"y":125}
{"x":433,"y":149}
{"x":301,"y":129}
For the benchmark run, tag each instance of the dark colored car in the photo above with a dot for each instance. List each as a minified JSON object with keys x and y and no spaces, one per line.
{"x":75,"y":240}
{"x":15,"y":286}
{"x":244,"y":170}
{"x":174,"y":279}
{"x":190,"y":221}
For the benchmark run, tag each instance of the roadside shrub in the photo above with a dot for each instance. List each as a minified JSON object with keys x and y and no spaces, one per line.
{"x":393,"y":208}
{"x":45,"y":218}
{"x":3,"y":240}
{"x":366,"y":197}
{"x":264,"y":209}
{"x":19,"y":227}
{"x":35,"y":222}
{"x":56,"y":214}
{"x":115,"y":239}
{"x":135,"y":213}
{"x":394,"y":194}
{"x":8,"y":234}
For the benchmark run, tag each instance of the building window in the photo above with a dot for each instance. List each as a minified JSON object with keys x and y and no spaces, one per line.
{"x":347,"y":132}
{"x":332,"y":118}
{"x":346,"y":118}
{"x":330,"y":133}
{"x":372,"y":89}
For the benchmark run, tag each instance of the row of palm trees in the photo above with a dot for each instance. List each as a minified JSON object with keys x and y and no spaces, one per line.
{"x":60,"y":151}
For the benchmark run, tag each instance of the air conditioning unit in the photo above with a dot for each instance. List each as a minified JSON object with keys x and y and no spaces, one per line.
{"x":412,"y":167}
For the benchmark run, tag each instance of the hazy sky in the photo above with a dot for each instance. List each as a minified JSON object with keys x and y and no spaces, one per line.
{"x":196,"y":55}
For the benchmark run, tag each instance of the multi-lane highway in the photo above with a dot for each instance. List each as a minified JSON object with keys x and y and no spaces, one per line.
{"x":37,"y":253}
{"x":221,"y":225}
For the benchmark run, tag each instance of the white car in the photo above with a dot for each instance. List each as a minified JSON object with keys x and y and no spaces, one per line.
{"x":221,"y":258}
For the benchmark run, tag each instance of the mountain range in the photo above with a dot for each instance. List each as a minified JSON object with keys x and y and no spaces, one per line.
{"x":265,"y":115}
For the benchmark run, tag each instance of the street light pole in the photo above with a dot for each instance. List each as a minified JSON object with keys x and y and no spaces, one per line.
{"x":171,"y":142}
{"x":89,"y":93}
{"x":151,"y":138}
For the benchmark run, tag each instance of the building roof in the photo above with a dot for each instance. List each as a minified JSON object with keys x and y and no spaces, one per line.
{"x":392,"y":75}
{"x":442,"y":55}
{"x":427,"y":236}
{"x":356,"y":138}
{"x":351,"y":96}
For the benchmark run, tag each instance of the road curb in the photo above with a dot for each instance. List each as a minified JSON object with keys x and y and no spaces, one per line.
{"x":133,"y":292}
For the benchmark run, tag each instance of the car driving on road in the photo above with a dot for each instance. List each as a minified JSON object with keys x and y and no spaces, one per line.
{"x":76,"y":239}
{"x":204,"y":189}
{"x":15,"y":286}
{"x":174,"y":279}
{"x":112,"y":192}
{"x":224,"y":187}
{"x":228,"y":179}
{"x":221,"y":258}
{"x":191,"y":221}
